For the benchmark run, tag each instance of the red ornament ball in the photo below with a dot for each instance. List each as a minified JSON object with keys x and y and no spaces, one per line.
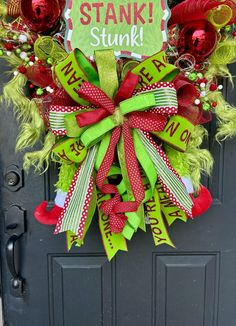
{"x":214,"y":104}
{"x":198,"y":38}
{"x":41,"y":16}
{"x":22,"y":69}
{"x":32,"y":58}
{"x":9,"y":46}
{"x":213,"y":87}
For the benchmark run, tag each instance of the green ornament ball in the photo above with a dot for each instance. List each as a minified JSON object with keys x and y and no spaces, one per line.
{"x":193,"y":76}
{"x":40,"y":91}
{"x":206,"y":106}
{"x":227,"y":28}
{"x":24,"y":47}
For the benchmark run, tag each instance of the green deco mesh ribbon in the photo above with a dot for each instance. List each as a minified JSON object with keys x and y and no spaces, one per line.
{"x":46,"y":47}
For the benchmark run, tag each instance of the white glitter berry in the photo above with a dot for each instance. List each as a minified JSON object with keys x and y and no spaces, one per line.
{"x":23,"y":55}
{"x":23,"y":38}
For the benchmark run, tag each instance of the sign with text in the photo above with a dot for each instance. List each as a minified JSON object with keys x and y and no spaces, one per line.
{"x":133,"y":29}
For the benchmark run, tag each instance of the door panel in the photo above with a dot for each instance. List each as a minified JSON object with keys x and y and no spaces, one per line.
{"x":180,"y":275}
{"x":70,"y":299}
{"x":194,"y":284}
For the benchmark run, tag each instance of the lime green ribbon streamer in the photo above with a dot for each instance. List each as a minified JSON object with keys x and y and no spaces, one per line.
{"x":76,"y":69}
{"x":146,"y":163}
{"x":159,"y":231}
{"x":70,"y":150}
{"x":122,"y":163}
{"x":155,"y":69}
{"x":171,"y":212}
{"x":177,"y":132}
{"x":73,"y":72}
{"x":102,"y":150}
{"x":106,"y":66}
{"x":71,"y":124}
{"x":167,"y":176}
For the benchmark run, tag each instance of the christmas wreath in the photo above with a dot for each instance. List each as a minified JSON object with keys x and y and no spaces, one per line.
{"x":125,"y":129}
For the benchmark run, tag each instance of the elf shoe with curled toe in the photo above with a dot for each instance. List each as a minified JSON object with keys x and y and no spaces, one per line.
{"x":45,"y":216}
{"x":202,"y":202}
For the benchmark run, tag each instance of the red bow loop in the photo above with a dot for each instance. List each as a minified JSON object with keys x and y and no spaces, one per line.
{"x":127,"y":87}
{"x":96,"y":96}
{"x":94,"y":116}
{"x":147,"y":121}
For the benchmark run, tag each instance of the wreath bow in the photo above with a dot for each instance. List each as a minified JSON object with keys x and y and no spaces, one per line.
{"x":123,"y":115}
{"x":126,"y":120}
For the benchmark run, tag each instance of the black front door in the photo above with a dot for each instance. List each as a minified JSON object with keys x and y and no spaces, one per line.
{"x":194,"y":284}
